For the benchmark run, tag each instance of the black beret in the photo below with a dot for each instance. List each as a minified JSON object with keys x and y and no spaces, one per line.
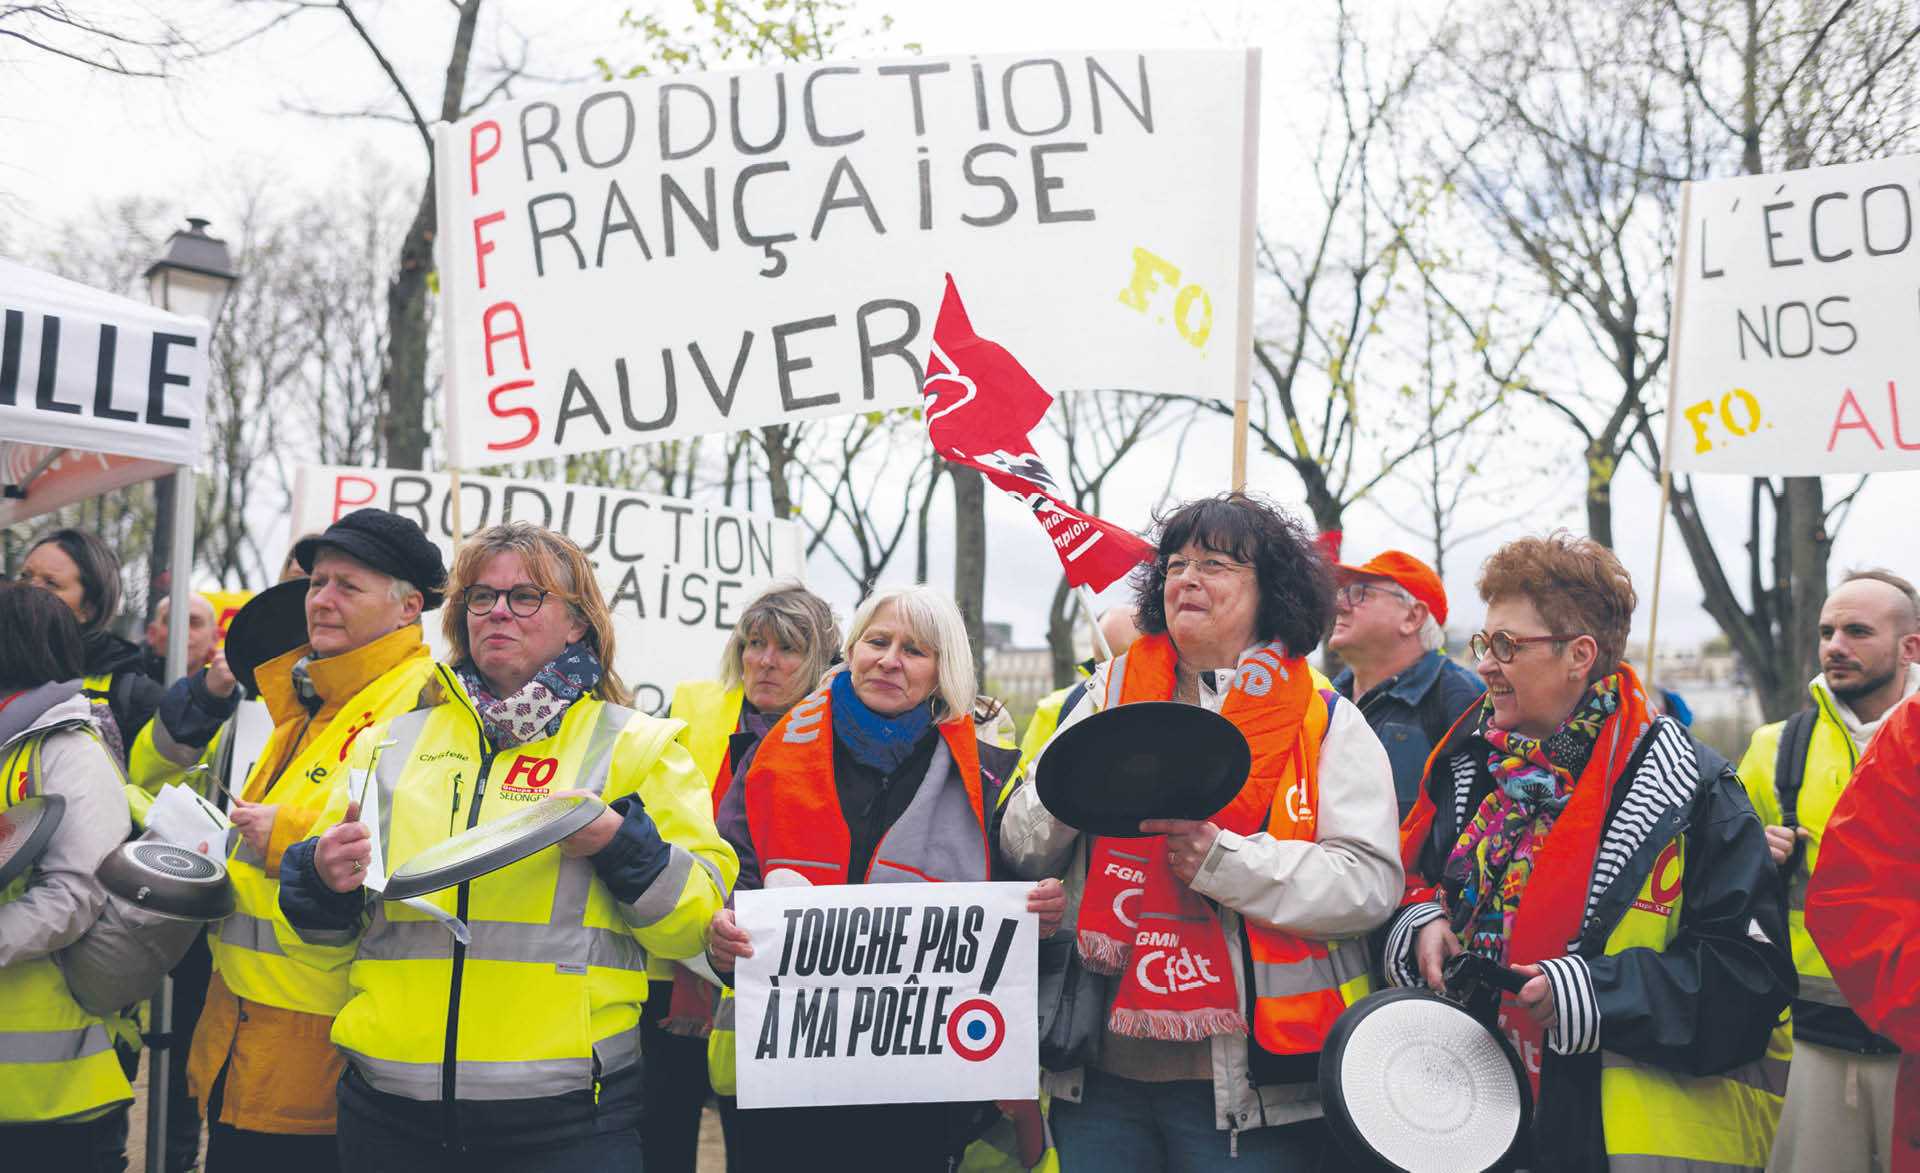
{"x":388,"y":543}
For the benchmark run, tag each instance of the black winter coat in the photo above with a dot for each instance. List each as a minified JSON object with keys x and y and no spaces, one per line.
{"x":1704,"y":1005}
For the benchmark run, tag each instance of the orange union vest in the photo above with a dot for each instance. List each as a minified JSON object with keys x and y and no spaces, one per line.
{"x":1300,"y":986}
{"x":793,"y":807}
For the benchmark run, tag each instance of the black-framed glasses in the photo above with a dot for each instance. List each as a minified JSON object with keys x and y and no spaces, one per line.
{"x":1505,"y":645}
{"x":1355,"y":593}
{"x":524,"y":600}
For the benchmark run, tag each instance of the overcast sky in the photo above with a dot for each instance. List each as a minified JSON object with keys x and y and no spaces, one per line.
{"x":72,"y":139}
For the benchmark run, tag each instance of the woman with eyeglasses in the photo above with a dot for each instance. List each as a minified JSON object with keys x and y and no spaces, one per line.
{"x":1566,"y":831}
{"x":1269,"y":900}
{"x":521,"y":1050}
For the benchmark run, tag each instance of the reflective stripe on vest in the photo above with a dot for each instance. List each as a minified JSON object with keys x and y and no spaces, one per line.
{"x":1301,"y":986}
{"x":551,"y":984}
{"x":260,"y":957}
{"x":1656,"y":1119}
{"x":56,"y":1060}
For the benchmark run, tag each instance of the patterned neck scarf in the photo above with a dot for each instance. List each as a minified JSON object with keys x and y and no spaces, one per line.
{"x":303,"y":687}
{"x":538,"y":708}
{"x":1532,"y":780}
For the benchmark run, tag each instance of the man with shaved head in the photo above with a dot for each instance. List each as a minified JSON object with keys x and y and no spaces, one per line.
{"x":202,"y":629}
{"x":1839,"y":1109}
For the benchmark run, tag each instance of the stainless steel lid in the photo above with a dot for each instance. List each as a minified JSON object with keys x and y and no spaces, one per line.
{"x":492,"y":846}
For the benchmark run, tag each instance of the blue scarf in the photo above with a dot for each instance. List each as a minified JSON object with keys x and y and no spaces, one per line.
{"x":875,"y":740}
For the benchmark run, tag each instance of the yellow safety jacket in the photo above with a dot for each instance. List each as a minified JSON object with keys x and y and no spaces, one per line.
{"x":149,"y":771}
{"x":546,"y":999}
{"x":712,"y":712}
{"x":257,"y":953}
{"x":1831,"y":757}
{"x":1656,"y":1119}
{"x":56,"y":1060}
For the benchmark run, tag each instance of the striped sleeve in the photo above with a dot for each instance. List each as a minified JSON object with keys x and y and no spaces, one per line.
{"x":1397,"y":955}
{"x":1576,"y":1027}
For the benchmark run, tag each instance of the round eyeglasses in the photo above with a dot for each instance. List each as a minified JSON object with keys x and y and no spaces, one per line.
{"x":524,"y":600}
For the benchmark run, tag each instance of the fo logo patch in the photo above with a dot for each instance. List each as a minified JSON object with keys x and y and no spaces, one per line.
{"x":1664,"y":882}
{"x":976,"y":1029}
{"x":530,"y":775}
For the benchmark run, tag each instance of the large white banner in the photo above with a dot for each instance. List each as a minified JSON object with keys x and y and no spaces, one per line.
{"x":676,"y":574}
{"x":1796,"y":324}
{"x":887,"y":994}
{"x":709,"y":252}
{"x":96,"y":391}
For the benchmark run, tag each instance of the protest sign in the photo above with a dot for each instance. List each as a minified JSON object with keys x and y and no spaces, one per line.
{"x":887,"y":994}
{"x":97,"y":391}
{"x":705,"y":252}
{"x":1793,"y":344}
{"x":675,"y":574}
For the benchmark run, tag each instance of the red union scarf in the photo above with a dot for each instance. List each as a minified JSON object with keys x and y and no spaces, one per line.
{"x":981,"y":405}
{"x":1136,"y":917}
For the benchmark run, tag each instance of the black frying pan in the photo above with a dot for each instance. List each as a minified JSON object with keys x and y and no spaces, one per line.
{"x":169,"y":881}
{"x":26,"y":829}
{"x":1410,"y":1080}
{"x":1148,"y":760}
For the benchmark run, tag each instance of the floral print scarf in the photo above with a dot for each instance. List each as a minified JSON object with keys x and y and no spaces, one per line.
{"x":541,"y":704}
{"x":1533,"y":778}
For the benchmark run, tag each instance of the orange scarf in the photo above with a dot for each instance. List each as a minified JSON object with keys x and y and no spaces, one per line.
{"x":1136,"y":918}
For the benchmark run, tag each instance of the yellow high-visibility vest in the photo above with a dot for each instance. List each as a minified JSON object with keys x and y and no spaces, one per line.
{"x":56,"y":1060}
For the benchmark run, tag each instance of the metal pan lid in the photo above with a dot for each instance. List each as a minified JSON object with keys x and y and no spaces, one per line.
{"x":26,"y":828}
{"x":492,"y":846}
{"x":167,"y":880}
{"x":1149,"y":760}
{"x":1412,"y":1081}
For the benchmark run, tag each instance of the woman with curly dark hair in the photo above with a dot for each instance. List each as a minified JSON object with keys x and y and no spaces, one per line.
{"x":1258,"y":916}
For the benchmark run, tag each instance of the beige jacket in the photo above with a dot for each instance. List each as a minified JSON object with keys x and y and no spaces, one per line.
{"x":1342,"y":885}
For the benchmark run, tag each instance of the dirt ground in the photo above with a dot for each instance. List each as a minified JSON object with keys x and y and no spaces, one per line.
{"x":713,"y":1152}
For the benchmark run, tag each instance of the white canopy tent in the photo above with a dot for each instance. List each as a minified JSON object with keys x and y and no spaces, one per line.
{"x":98,"y":391}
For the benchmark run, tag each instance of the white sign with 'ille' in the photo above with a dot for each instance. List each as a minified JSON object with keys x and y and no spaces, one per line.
{"x":887,"y":994}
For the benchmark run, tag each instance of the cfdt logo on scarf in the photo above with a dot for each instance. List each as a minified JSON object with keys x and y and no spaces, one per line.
{"x":530,"y":775}
{"x":976,"y":1028}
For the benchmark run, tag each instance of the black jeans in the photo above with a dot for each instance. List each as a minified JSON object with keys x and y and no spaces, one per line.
{"x":66,"y":1148}
{"x":383,"y":1133}
{"x":676,"y":1091}
{"x":235,"y":1150}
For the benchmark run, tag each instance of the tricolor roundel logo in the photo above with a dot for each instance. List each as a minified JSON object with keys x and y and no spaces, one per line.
{"x":976,"y":1030}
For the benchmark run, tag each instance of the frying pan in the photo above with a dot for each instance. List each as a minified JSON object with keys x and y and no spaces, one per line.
{"x":168,"y":881}
{"x":26,"y":828}
{"x":1148,"y":760}
{"x":491,"y":846}
{"x":1411,"y":1080}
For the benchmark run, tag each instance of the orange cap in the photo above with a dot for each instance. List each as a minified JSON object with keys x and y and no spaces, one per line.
{"x":1410,"y":574}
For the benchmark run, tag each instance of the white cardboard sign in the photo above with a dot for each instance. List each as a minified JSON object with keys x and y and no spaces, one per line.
{"x":676,"y":574}
{"x":1798,"y":309}
{"x":708,"y":252}
{"x":887,"y":994}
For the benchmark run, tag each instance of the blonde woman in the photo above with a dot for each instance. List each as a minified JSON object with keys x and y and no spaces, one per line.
{"x":522,"y":1050}
{"x":902,"y":790}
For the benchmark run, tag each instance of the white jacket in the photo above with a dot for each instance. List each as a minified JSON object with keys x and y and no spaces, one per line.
{"x":65,"y":898}
{"x":1342,"y":885}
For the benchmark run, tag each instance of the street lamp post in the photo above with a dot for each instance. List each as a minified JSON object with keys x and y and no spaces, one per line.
{"x":192,"y":278}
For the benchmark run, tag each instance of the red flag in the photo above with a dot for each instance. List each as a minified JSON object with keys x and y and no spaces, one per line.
{"x":981,"y":405}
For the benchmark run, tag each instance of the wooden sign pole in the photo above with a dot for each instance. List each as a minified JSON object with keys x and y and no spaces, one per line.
{"x":1681,"y":264}
{"x":1249,"y":226}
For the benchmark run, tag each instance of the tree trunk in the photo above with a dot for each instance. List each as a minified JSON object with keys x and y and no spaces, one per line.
{"x":403,"y":385}
{"x":773,"y":442}
{"x":1060,"y":617}
{"x":970,"y":559}
{"x":1801,"y":528}
{"x":1599,"y":500}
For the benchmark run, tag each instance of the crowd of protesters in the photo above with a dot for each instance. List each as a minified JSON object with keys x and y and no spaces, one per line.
{"x":1712,"y":956}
